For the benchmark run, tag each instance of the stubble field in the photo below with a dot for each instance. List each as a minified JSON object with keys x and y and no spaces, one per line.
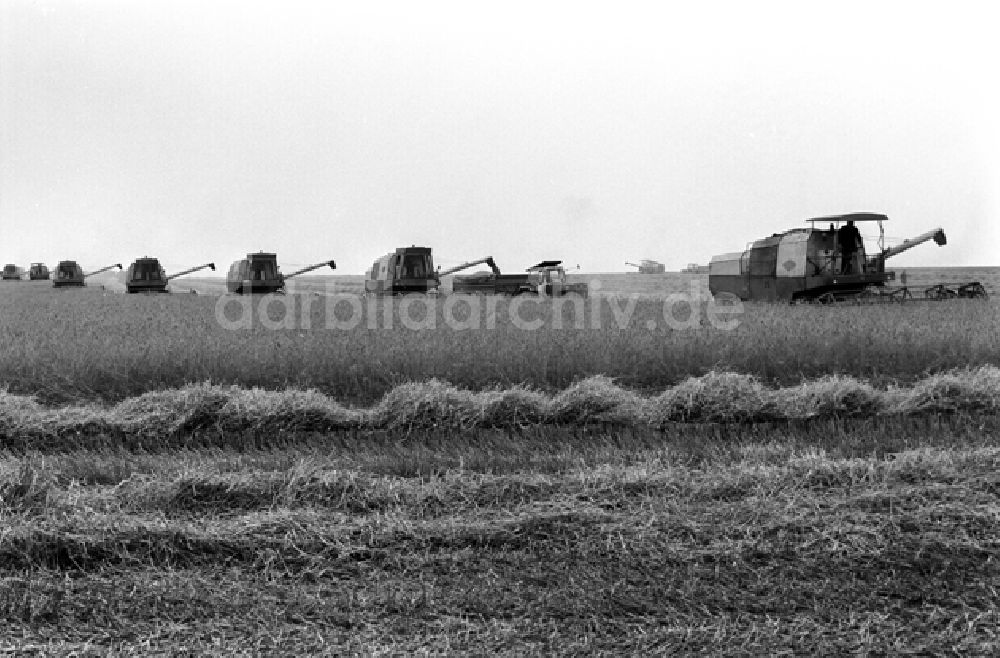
{"x":812,"y":480}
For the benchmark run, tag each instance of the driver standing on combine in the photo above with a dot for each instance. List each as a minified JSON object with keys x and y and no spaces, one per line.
{"x":849,"y":238}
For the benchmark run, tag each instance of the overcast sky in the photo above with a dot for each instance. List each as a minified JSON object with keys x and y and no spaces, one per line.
{"x":594,"y":133}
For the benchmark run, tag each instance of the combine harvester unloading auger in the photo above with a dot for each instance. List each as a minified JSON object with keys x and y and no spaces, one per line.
{"x":811,"y":265}
{"x":147,"y":275}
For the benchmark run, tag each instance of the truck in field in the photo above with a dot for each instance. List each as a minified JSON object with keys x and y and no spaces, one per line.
{"x":547,"y":278}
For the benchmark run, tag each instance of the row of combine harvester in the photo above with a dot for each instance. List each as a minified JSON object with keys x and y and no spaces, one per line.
{"x":257,"y":273}
{"x":411,"y":270}
{"x":801,"y":264}
{"x":405,"y":270}
{"x":67,"y":273}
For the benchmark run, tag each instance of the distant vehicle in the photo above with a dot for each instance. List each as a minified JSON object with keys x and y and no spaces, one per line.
{"x":11,"y":273}
{"x":38,"y":271}
{"x":647,"y":266}
{"x":147,"y":275}
{"x":68,"y":274}
{"x":808,"y":263}
{"x":259,"y":274}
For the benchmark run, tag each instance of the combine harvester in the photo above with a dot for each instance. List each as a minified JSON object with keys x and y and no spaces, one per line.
{"x":69,"y":275}
{"x":258,"y":274}
{"x":646,"y":266}
{"x":807,"y":265}
{"x":38,"y":271}
{"x":406,"y":270}
{"x":11,"y":273}
{"x":547,"y":278}
{"x":147,"y":275}
{"x":411,"y":270}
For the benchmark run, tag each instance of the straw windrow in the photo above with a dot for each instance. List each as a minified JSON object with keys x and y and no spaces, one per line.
{"x":716,"y":397}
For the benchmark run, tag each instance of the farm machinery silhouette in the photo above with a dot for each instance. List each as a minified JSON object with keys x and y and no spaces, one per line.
{"x":147,"y":275}
{"x":815,"y":264}
{"x":259,"y":274}
{"x":647,"y":266}
{"x":69,"y":274}
{"x":411,"y":270}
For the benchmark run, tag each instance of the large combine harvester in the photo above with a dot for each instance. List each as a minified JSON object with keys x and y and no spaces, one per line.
{"x":259,"y":274}
{"x":147,"y":275}
{"x":38,"y":271}
{"x":411,"y":270}
{"x":405,"y":270}
{"x":810,"y":264}
{"x":647,"y":266}
{"x":11,"y":273}
{"x":68,"y":274}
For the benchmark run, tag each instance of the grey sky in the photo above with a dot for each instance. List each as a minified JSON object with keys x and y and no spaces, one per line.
{"x":595,"y":133}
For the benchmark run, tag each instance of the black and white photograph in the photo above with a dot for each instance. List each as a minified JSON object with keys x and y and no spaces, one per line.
{"x":521,"y":329}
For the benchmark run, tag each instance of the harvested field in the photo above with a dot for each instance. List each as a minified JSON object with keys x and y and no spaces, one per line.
{"x":815,"y":480}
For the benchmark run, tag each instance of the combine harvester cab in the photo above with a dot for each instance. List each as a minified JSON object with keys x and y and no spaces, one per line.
{"x":38,"y":271}
{"x":807,"y":264}
{"x":11,"y":273}
{"x":147,"y":275}
{"x":258,"y":274}
{"x":406,"y":270}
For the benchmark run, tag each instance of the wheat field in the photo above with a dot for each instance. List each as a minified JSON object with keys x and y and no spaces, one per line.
{"x":811,"y":480}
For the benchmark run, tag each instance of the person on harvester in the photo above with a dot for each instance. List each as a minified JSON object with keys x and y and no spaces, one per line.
{"x":849,"y":238}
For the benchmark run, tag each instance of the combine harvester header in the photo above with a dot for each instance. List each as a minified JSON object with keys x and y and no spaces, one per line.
{"x":811,"y":264}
